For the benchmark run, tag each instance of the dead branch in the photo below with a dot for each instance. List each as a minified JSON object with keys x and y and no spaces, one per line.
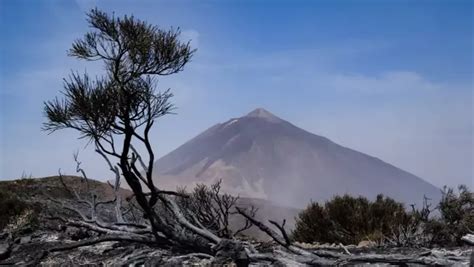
{"x":270,"y":232}
{"x":185,"y":223}
{"x":118,"y":197}
{"x":97,"y":240}
{"x":469,"y":239}
{"x":296,"y":255}
{"x":142,"y":163}
{"x":89,"y":242}
{"x":394,"y":259}
{"x":80,"y":170}
{"x":211,"y":209}
{"x":282,"y":230}
{"x":345,"y":249}
{"x":92,"y":204}
{"x":251,"y":211}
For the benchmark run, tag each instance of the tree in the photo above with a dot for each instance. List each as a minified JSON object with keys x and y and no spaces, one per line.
{"x":117,"y":111}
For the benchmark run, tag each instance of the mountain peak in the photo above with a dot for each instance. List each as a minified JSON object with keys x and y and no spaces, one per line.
{"x":263,"y":114}
{"x":263,"y":156}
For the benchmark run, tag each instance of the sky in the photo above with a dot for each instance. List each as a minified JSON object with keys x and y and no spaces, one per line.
{"x":392,"y":79}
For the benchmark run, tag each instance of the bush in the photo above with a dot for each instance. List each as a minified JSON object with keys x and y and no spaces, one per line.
{"x":456,"y":216}
{"x":348,"y":220}
{"x":313,"y":224}
{"x":11,"y":207}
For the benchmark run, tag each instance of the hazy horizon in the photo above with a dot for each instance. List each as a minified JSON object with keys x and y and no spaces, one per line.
{"x":392,"y":80}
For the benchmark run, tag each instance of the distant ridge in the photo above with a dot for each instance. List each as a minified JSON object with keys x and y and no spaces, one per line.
{"x":263,"y":156}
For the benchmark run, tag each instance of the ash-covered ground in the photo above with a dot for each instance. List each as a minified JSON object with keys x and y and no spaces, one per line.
{"x":30,"y":238}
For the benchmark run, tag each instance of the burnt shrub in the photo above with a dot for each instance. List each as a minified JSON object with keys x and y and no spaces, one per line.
{"x":215,"y":210}
{"x":409,"y":230}
{"x":456,"y":216}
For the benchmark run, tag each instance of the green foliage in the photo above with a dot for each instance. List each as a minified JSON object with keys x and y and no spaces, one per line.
{"x":348,"y":220}
{"x":313,"y":224}
{"x":134,"y":53}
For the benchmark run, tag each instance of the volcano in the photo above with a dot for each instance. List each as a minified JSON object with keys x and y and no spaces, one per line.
{"x":260,"y":155}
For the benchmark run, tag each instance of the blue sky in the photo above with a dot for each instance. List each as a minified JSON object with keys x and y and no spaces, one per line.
{"x":392,"y":79}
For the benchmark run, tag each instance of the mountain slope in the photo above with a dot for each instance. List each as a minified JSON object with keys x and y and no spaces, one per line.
{"x":260,"y":155}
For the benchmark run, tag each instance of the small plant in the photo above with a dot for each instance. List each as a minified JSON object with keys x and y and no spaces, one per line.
{"x":27,"y":219}
{"x":26,"y":176}
{"x":11,"y":207}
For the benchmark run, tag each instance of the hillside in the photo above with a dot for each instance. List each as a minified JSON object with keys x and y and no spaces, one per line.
{"x":39,"y":191}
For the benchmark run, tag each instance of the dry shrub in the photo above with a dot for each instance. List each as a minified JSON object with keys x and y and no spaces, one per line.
{"x":208,"y":206}
{"x":456,"y":217}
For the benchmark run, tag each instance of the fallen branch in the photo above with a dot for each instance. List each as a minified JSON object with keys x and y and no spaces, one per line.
{"x":109,"y":238}
{"x":270,"y":232}
{"x":395,"y":259}
{"x":295,"y":255}
{"x":345,"y":249}
{"x":469,"y":239}
{"x":282,"y":230}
